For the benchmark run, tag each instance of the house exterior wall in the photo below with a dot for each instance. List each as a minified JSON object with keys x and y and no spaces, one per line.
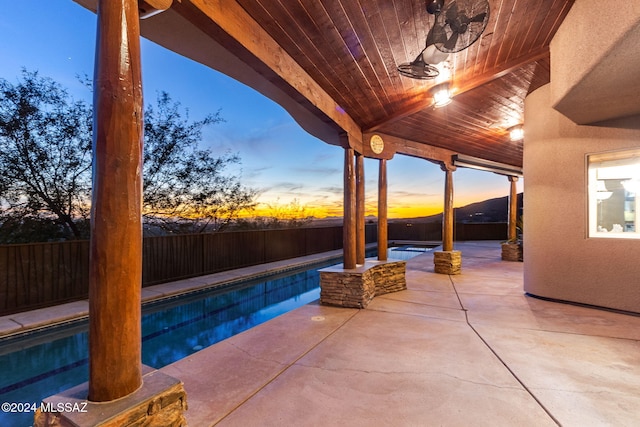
{"x":587,"y":78}
{"x":595,"y":61}
{"x":560,"y":260}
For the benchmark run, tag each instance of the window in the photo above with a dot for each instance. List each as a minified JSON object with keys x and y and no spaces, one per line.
{"x":614,"y":194}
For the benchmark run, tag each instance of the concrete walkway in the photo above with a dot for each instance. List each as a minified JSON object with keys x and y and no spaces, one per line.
{"x":467,"y":350}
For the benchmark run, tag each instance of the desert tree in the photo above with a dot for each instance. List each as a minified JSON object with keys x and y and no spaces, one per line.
{"x":45,"y":167}
{"x":186,"y":188}
{"x":45,"y":160}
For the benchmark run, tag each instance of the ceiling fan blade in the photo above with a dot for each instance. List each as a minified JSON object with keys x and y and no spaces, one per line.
{"x":452,"y":12}
{"x":436,"y":35}
{"x":450,"y":44}
{"x":479,"y":17}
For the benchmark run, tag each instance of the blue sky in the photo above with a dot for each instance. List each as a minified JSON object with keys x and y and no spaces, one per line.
{"x":57,"y":39}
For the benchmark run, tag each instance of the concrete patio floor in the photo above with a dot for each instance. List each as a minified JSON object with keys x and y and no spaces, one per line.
{"x":458,"y":350}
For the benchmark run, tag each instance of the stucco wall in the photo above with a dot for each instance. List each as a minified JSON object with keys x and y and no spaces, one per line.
{"x":595,"y":61}
{"x":560,"y":262}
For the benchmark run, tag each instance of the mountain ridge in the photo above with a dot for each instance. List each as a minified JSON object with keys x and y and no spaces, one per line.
{"x":490,"y":210}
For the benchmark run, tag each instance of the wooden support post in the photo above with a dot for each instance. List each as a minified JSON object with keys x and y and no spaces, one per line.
{"x":447,"y":217}
{"x":513,"y":209}
{"x":382,"y":211}
{"x":349,"y":221}
{"x":447,"y":261}
{"x":512,"y":248}
{"x":115,"y":274}
{"x":360,"y":229}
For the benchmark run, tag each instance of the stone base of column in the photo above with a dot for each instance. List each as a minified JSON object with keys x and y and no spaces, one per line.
{"x":512,"y":251}
{"x":355,"y":288}
{"x":160,"y":401}
{"x":447,"y":262}
{"x":389,"y":276}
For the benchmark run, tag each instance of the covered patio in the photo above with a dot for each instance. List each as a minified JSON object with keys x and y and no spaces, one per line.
{"x":469,"y":349}
{"x":451,"y":349}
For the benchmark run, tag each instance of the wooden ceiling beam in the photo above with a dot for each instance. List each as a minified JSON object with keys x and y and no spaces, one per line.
{"x":425,"y":151}
{"x":505,"y":69}
{"x":480,"y":80}
{"x":231,"y":26}
{"x":394,"y":144}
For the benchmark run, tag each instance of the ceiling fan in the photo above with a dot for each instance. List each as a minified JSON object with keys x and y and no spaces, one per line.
{"x":418,"y":69}
{"x":457,"y":26}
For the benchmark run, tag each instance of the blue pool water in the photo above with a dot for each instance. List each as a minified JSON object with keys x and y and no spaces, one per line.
{"x":40,"y":364}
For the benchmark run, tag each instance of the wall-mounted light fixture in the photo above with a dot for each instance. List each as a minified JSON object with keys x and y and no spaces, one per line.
{"x":516,"y":133}
{"x":441,"y":94}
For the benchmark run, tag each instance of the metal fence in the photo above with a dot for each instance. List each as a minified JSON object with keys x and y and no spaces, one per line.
{"x":433,"y":231}
{"x":174,"y":257}
{"x":42,"y":274}
{"x":38,"y":274}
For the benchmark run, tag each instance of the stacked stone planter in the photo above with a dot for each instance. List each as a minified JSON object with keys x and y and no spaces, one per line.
{"x":512,"y":251}
{"x":447,"y":262}
{"x":356,"y":287}
{"x":159,"y":402}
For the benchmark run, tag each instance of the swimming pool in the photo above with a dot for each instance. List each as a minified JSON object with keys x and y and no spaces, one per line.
{"x":39,"y":364}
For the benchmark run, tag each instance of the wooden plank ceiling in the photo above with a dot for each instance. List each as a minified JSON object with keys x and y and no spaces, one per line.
{"x":352,"y":49}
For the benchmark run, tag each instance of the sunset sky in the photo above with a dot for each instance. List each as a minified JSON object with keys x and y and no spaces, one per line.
{"x":57,"y":39}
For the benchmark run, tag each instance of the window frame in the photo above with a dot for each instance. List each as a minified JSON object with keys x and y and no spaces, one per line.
{"x":613,"y":166}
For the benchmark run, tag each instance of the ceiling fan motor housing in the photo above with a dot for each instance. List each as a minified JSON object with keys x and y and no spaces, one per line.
{"x":434,"y":6}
